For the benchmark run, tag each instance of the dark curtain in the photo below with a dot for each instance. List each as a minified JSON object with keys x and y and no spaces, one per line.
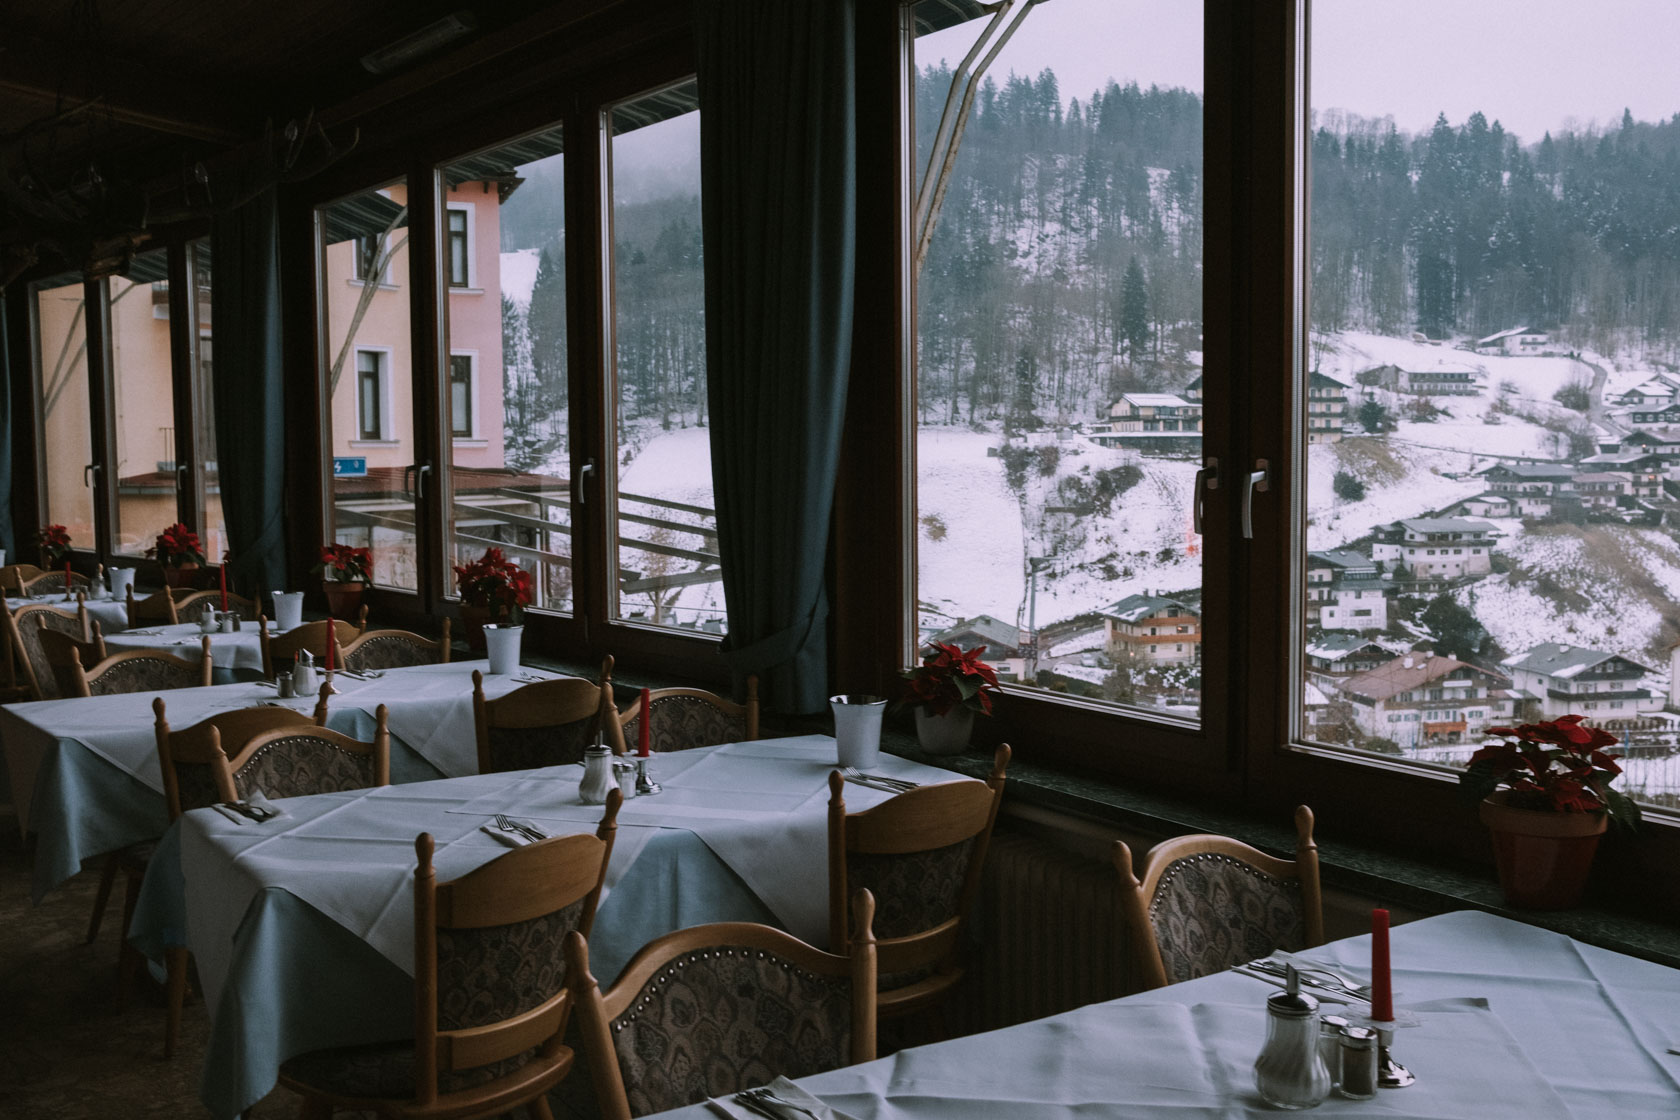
{"x":248,"y":377}
{"x":778,"y":163}
{"x":7,"y":529}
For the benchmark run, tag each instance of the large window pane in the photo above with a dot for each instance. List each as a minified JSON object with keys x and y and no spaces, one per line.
{"x":144,"y":388}
{"x":211,"y":521}
{"x":507,"y":383}
{"x":61,"y":357}
{"x":367,"y":367}
{"x":1489,"y":381}
{"x":666,"y":520}
{"x":1058,"y":270}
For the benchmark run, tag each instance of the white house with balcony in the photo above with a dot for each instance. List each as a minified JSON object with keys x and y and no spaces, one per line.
{"x":1345,"y":591}
{"x":1517,"y":340}
{"x":1422,"y":698}
{"x":1570,"y":678}
{"x":1436,"y":547}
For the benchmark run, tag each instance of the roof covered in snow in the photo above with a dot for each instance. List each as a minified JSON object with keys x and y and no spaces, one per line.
{"x":1556,"y":659}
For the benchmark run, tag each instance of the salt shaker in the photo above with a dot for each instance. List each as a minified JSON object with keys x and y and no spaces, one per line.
{"x":1289,"y":1072}
{"x":207,"y":622}
{"x":598,"y":778}
{"x":1359,"y":1063}
{"x":1330,"y":1028}
{"x":303,"y":674}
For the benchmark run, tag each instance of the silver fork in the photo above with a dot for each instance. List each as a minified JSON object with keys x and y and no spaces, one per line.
{"x":857,"y":775}
{"x":1346,"y":982}
{"x":508,"y":824}
{"x":765,"y":1096}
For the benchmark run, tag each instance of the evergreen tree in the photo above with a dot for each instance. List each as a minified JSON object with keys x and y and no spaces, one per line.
{"x":546,"y":323}
{"x":1134,"y":309}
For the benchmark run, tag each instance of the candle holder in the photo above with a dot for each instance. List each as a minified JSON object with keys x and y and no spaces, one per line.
{"x":1390,"y":1073}
{"x":644,"y":784}
{"x":327,"y":686}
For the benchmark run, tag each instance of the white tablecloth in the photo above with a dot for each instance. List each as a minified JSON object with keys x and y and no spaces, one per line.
{"x":111,"y":614}
{"x":1516,"y":1023}
{"x":241,"y":649}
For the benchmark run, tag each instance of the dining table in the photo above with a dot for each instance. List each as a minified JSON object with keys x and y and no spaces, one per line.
{"x":1508,"y":1021}
{"x":84,"y":773}
{"x":302,"y":930}
{"x":111,"y":614}
{"x":235,"y":654}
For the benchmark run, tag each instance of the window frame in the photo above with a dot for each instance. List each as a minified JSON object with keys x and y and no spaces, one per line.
{"x":469,"y":267}
{"x":382,"y":435}
{"x":470,"y":359}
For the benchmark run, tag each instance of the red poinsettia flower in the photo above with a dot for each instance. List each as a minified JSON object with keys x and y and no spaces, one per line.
{"x":176,"y":546}
{"x":949,"y":677}
{"x":494,"y":582}
{"x":1555,"y":765}
{"x":345,"y":564}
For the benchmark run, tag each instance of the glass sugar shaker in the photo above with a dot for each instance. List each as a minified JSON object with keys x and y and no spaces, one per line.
{"x":1330,"y":1028}
{"x":1289,"y":1073}
{"x":1359,"y":1063}
{"x":598,"y":777}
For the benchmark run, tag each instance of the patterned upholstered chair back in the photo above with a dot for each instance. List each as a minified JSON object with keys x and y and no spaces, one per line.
{"x":715,"y":1009}
{"x":544,"y":724}
{"x":919,"y":854}
{"x":145,"y":670}
{"x":279,"y":650}
{"x":24,"y":626}
{"x":395,"y":649}
{"x":684,"y":718}
{"x":303,"y":760}
{"x":491,"y":998}
{"x":159,"y":607}
{"x":195,"y":769}
{"x":64,"y":652}
{"x":190,"y":606}
{"x":52,"y":583}
{"x":1205,"y":903}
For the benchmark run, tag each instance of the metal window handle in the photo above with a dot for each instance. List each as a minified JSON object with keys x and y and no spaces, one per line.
{"x":421,"y":472}
{"x":181,"y":476}
{"x":88,"y":473}
{"x":408,"y":481}
{"x":1206,"y":479}
{"x":1258,"y":479}
{"x":585,"y":473}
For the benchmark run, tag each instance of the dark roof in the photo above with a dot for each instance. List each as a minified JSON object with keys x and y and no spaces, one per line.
{"x":1135,"y":607}
{"x":994,"y":632}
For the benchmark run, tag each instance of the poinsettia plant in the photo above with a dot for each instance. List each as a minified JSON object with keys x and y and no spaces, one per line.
{"x":1556,"y":767}
{"x":177,"y":546}
{"x":495,"y":583}
{"x":55,"y":544}
{"x":344,"y":564}
{"x":948,"y":678}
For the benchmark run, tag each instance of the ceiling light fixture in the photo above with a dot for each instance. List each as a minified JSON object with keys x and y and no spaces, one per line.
{"x":418,"y":44}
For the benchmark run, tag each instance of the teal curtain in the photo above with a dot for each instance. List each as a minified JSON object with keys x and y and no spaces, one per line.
{"x":8,"y":530}
{"x":247,"y":373}
{"x":778,"y":165}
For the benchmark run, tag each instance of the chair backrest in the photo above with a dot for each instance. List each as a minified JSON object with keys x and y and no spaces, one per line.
{"x":715,"y":1009}
{"x":295,"y":761}
{"x":278,"y":650}
{"x":684,"y":718}
{"x":156,"y":607}
{"x":1204,"y":903}
{"x":24,"y":626}
{"x":510,"y":918}
{"x":12,"y":577}
{"x":195,"y":769}
{"x":48,"y":583}
{"x":190,"y":607}
{"x":144,"y":670}
{"x":64,"y":652}
{"x":548,"y":723}
{"x":920,"y":854}
{"x":395,"y":649}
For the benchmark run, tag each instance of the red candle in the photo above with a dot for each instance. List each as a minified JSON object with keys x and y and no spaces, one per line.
{"x":643,"y":740}
{"x":332,"y":640}
{"x":1382,"y":993}
{"x":224,"y":580}
{"x":69,"y":587}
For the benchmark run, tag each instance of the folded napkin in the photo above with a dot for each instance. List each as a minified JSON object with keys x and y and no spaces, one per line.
{"x":257,"y":801}
{"x":788,"y":1091}
{"x":512,"y":839}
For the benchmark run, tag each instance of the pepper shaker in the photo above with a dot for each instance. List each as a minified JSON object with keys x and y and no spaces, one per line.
{"x":1359,"y":1063}
{"x":1330,"y":1028}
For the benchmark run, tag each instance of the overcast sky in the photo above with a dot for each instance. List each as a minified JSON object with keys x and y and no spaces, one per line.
{"x":1532,"y":64}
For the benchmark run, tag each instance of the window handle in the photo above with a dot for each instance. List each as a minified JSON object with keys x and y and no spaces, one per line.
{"x":408,"y":481}
{"x":1258,"y":479}
{"x":421,"y":472}
{"x":181,"y":477}
{"x":89,"y":474}
{"x":1206,"y":479}
{"x":585,"y":474}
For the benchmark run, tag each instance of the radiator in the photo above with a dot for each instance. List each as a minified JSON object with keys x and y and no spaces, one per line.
{"x":1048,"y":932}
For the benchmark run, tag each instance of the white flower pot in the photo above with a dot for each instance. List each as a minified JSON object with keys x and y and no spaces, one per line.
{"x":502,"y":645}
{"x":946,"y":734}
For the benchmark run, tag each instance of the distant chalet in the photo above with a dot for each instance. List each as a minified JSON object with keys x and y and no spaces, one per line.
{"x":1442,"y":378}
{"x":1345,"y":591}
{"x":1152,"y":630}
{"x":1001,"y":639}
{"x":1163,"y":422}
{"x":1569,"y":678}
{"x":1436,"y":547}
{"x":1421,"y":698}
{"x":1517,"y":340}
{"x":1326,"y":408}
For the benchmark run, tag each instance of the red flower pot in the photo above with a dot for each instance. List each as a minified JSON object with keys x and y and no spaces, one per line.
{"x":180,"y":575}
{"x":344,"y":597}
{"x":1543,"y":858}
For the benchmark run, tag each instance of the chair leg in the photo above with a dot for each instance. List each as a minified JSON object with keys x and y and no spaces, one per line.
{"x":179,"y":961}
{"x":128,"y":957}
{"x":538,"y":1108}
{"x":107,"y":877}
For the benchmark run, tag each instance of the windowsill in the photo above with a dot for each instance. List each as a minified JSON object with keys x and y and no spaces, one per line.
{"x":454,"y":291}
{"x":466,"y":444}
{"x":384,"y":286}
{"x":361,"y":443}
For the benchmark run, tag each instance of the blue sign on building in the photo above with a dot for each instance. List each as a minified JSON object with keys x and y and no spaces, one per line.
{"x":349,"y":466}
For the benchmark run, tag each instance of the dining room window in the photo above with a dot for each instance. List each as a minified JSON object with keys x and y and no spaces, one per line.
{"x":1489,"y":271}
{"x":64,"y":406}
{"x":143,"y":395}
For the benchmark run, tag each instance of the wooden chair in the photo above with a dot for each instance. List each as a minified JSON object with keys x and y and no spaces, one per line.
{"x":920,"y":854}
{"x":716,"y":1009}
{"x":65,"y":651}
{"x":684,"y":718}
{"x":292,"y":762}
{"x":1205,"y":903}
{"x":144,"y":670}
{"x":13,"y":576}
{"x":155,"y":609}
{"x":481,"y":1044}
{"x":544,"y":724}
{"x":24,"y":626}
{"x":198,"y":773}
{"x":395,"y":649}
{"x":50,"y":583}
{"x":312,"y":636}
{"x":190,"y":607}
